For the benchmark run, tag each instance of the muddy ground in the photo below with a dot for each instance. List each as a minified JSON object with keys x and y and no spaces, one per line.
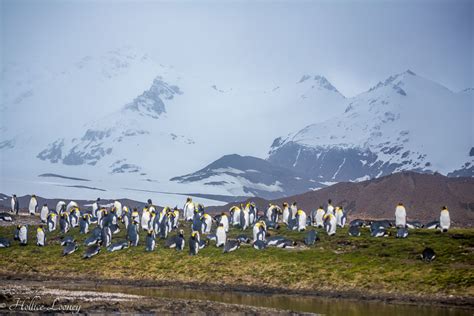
{"x":37,"y":297}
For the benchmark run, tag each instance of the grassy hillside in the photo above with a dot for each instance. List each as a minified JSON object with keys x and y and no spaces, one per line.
{"x":338,"y":263}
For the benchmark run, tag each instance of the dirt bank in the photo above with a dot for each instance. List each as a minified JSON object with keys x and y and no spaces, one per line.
{"x":37,"y":297}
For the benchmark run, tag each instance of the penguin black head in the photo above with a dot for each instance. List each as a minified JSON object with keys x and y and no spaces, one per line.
{"x":329,"y":201}
{"x":189,"y":199}
{"x":149,"y":202}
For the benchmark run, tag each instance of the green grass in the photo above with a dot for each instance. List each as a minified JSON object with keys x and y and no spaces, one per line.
{"x":338,"y":263}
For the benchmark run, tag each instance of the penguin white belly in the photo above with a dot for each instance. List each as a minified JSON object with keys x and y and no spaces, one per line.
{"x":208,"y":225}
{"x":220,"y":237}
{"x":444,"y":221}
{"x":59,"y":206}
{"x":145,"y":220}
{"x":225,"y":223}
{"x":332,"y":226}
{"x":246,"y":220}
{"x":286,"y":214}
{"x":319,"y":218}
{"x":118,"y":208}
{"x":40,"y":238}
{"x":256,"y":229}
{"x":236,"y":218}
{"x":188,"y":211}
{"x":302,"y":222}
{"x":32,"y":206}
{"x":400,"y":218}
{"x":44,"y":214}
{"x":23,"y":235}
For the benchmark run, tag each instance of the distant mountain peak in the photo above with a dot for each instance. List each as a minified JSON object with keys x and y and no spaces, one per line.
{"x":320,"y":81}
{"x":150,"y":102}
{"x":395,"y":81}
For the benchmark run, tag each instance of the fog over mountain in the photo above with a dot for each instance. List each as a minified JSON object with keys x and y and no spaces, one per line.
{"x":267,"y":99}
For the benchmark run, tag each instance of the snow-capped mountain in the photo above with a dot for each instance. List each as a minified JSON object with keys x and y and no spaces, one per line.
{"x":406,"y":122}
{"x":250,"y":176}
{"x":117,"y":134}
{"x":127,"y":124}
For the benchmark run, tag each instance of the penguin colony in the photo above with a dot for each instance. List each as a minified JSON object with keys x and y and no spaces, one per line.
{"x":108,"y":221}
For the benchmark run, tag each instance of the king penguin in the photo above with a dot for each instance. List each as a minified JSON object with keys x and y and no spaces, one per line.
{"x":224,"y":220}
{"x":177,"y":241}
{"x":354,"y":231}
{"x":444,"y":219}
{"x":40,"y":236}
{"x":220,"y":236}
{"x":432,"y":225}
{"x":70,"y":248}
{"x":15,"y":205}
{"x":194,"y":242}
{"x":231,"y":245}
{"x":311,"y":237}
{"x":285,"y":213}
{"x":400,"y":215}
{"x":91,"y":251}
{"x":428,"y":255}
{"x":150,"y":241}
{"x":235,"y":215}
{"x":206,"y":226}
{"x":301,"y":220}
{"x":319,"y":221}
{"x":23,"y":235}
{"x":259,"y":231}
{"x":106,"y":236}
{"x":340,"y":217}
{"x":84,"y":223}
{"x":4,"y":242}
{"x":64,"y":223}
{"x":330,"y":224}
{"x":44,"y":213}
{"x":118,"y":246}
{"x":33,"y":206}
{"x":52,"y":221}
{"x":188,"y":209}
{"x":132,"y":234}
{"x":260,"y":244}
{"x":402,"y":232}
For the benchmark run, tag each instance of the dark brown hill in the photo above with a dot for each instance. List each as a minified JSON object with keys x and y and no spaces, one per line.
{"x":422,"y":194}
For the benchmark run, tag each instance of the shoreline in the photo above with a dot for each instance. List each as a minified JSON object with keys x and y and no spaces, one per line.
{"x":451,"y":301}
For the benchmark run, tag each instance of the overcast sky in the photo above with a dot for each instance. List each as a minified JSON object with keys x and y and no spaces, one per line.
{"x":353,"y":43}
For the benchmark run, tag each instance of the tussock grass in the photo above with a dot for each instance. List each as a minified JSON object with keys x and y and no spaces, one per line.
{"x":338,"y":263}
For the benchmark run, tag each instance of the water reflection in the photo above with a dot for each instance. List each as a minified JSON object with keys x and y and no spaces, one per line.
{"x":328,"y":306}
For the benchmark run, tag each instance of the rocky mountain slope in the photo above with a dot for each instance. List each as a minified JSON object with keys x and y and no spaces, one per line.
{"x":242,"y":176}
{"x":406,"y":122}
